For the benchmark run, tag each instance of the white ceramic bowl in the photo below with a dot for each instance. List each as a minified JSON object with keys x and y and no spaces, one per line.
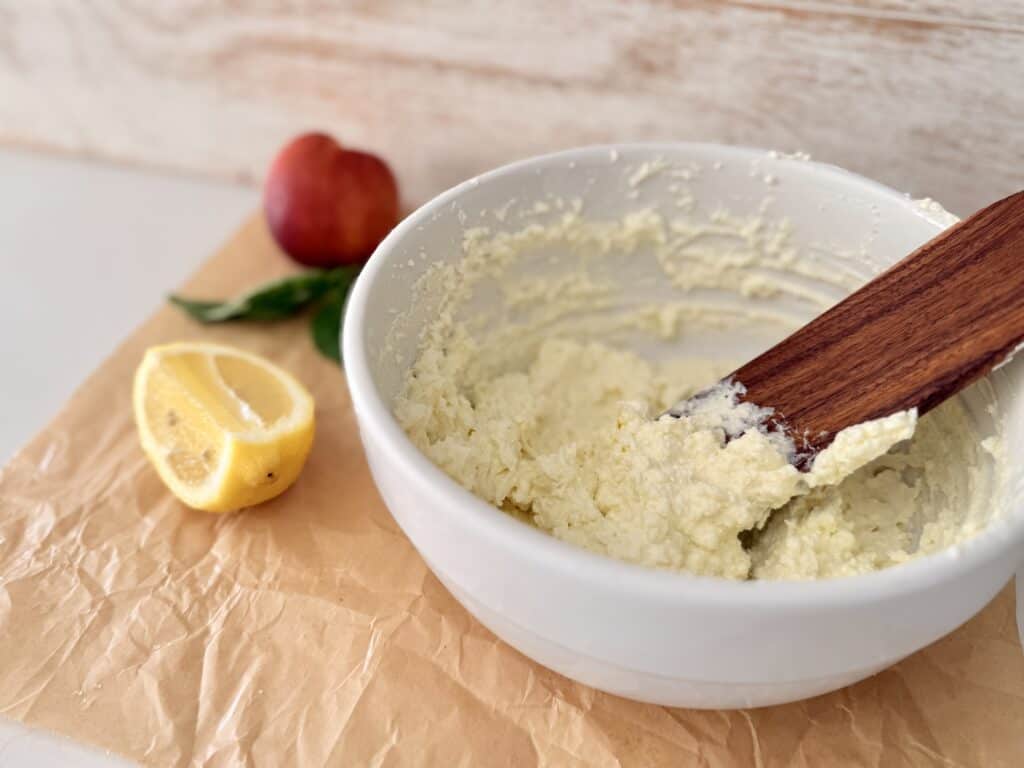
{"x":645,"y":634}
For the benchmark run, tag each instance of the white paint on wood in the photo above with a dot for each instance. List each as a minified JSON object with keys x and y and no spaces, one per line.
{"x":996,"y":14}
{"x":1000,"y":14}
{"x":924,"y":95}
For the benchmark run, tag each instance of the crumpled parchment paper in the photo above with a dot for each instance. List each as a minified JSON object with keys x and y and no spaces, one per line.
{"x":309,"y":632}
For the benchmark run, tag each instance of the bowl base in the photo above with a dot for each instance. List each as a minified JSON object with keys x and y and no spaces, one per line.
{"x":643,"y":686}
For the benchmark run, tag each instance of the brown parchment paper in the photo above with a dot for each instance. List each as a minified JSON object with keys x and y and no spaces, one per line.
{"x":309,"y":632}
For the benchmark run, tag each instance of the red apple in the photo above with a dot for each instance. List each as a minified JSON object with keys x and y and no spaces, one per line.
{"x":327,"y":205}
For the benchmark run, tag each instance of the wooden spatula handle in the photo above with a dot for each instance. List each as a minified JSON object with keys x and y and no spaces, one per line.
{"x":915,"y":335}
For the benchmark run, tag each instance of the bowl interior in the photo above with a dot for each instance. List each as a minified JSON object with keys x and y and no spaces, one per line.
{"x":838,"y":228}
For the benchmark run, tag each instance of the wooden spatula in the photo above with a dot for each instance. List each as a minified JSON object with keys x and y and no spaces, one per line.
{"x":915,"y":335}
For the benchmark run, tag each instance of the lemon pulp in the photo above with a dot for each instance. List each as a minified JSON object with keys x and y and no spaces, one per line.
{"x":225,"y":429}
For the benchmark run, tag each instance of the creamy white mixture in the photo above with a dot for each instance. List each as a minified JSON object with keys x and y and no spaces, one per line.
{"x":533,"y":407}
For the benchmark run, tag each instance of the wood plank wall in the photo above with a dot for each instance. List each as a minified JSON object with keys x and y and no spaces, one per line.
{"x":926,"y":95}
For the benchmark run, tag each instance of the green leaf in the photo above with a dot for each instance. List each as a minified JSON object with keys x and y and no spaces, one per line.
{"x":325,"y":325}
{"x":276,"y":300}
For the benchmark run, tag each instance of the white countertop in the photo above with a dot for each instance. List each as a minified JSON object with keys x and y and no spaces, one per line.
{"x":88,"y":252}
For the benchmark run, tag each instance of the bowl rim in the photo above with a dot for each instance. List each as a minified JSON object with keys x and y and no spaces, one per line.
{"x":920,"y":574}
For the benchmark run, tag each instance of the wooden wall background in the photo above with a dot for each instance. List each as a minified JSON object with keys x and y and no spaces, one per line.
{"x":926,"y":95}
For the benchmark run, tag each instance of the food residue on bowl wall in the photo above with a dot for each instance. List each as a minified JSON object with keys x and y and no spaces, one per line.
{"x":539,"y":382}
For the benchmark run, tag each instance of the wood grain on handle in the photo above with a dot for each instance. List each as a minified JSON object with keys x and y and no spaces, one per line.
{"x":914,"y":336}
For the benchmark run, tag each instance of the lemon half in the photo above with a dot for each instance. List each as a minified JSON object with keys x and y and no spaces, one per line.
{"x":225,"y":429}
